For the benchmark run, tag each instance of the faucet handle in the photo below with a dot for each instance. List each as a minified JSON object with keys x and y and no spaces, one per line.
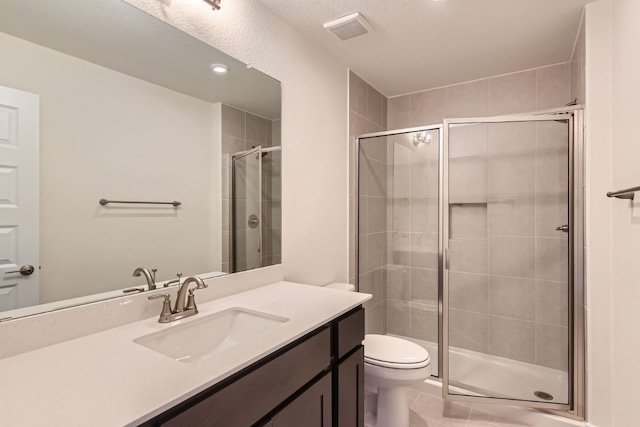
{"x":191,"y":302}
{"x":165,"y":314}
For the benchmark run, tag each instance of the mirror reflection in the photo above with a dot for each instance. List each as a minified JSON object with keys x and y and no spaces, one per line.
{"x":100,"y":100}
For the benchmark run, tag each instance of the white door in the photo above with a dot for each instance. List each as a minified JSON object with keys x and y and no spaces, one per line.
{"x":19,"y":174}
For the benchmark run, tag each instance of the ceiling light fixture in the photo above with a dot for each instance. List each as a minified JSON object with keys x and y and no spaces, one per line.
{"x":215,"y":4}
{"x":219,"y":69}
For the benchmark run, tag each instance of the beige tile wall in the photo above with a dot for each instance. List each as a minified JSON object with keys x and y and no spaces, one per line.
{"x":367,"y":114}
{"x":508,"y":286}
{"x":508,"y":281}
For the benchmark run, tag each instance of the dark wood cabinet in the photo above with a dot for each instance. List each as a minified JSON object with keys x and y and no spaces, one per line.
{"x":313,"y":408}
{"x":351,"y":390}
{"x":317,"y":381}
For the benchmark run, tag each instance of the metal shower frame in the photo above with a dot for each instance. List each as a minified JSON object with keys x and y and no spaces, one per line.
{"x":576,"y":407}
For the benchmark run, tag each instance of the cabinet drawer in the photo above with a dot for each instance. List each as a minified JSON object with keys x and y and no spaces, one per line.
{"x":245,"y":401}
{"x":350,"y":332}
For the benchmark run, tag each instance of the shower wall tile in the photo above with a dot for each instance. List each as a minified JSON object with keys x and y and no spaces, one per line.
{"x":512,"y":174}
{"x":358,"y":89}
{"x":375,"y":319}
{"x":377,"y":214}
{"x":424,"y":285}
{"x":376,"y":251}
{"x":374,"y":149}
{"x":553,"y":86}
{"x":352,"y":259}
{"x":511,"y":138}
{"x":468,"y":141}
{"x":276,"y":133}
{"x":424,"y":250}
{"x":233,"y":122}
{"x":374,"y":283}
{"x":552,"y":136}
{"x":468,"y":330}
{"x":512,"y":297}
{"x":428,"y":107}
{"x":401,"y":177}
{"x":511,"y":215}
{"x":552,"y":306}
{"x":468,"y":256}
{"x":363,"y":214}
{"x":401,"y":248}
{"x":551,"y":259}
{"x":424,"y":322}
{"x":551,"y":211}
{"x":419,"y":178}
{"x":374,"y":106}
{"x":552,"y":172}
{"x":467,"y":99}
{"x":401,"y":211}
{"x":398,"y":282}
{"x":424,"y":215}
{"x":512,"y":338}
{"x":377,"y":185}
{"x":468,"y":221}
{"x":512,"y":256}
{"x":398,"y":317}
{"x":512,"y":93}
{"x":399,"y":112}
{"x":468,"y":292}
{"x":578,"y":67}
{"x":468,"y":179}
{"x":256,"y":130}
{"x":552,"y":350}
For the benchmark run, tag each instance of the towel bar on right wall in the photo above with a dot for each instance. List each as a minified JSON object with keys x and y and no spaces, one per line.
{"x":624,"y":194}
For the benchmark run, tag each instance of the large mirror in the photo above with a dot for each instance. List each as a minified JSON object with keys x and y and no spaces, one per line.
{"x":99,"y":100}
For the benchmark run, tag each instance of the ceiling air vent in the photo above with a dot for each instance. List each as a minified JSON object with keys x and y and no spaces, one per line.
{"x":349,"y":26}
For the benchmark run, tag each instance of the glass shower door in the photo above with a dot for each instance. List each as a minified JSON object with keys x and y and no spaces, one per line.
{"x":246,"y":226}
{"x":508,"y":259}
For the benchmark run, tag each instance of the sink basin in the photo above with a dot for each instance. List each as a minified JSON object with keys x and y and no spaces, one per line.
{"x":212,"y":334}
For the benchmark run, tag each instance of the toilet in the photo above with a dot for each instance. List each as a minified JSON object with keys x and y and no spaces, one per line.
{"x":391,"y":364}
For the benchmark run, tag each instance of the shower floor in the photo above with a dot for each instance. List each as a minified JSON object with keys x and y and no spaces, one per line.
{"x":503,"y":377}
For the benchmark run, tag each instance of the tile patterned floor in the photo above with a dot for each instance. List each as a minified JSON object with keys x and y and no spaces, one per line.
{"x":432,"y":411}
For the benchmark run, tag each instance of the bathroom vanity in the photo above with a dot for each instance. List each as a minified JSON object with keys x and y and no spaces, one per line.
{"x":305,"y":369}
{"x":315,"y":381}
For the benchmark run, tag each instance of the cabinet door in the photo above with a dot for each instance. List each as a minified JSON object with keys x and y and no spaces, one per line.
{"x":351,"y":390}
{"x":311,"y":409}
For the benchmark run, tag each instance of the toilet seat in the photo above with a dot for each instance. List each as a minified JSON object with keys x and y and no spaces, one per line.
{"x":396,"y":353}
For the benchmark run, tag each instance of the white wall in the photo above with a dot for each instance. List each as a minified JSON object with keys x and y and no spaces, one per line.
{"x":105,"y":134}
{"x":598,"y":212}
{"x":314,"y":125}
{"x":625,"y":155}
{"x":613,"y":105}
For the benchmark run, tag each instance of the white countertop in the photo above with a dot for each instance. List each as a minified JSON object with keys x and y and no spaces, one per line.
{"x":106,"y":379}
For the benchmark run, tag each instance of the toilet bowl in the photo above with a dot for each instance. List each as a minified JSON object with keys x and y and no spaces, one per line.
{"x":390,"y":365}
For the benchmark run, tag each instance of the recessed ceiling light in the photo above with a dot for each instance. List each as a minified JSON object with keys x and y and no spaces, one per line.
{"x":219,"y":68}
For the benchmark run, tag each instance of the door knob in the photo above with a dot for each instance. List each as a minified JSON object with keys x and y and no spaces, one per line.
{"x":563,"y":228}
{"x":25,"y":270}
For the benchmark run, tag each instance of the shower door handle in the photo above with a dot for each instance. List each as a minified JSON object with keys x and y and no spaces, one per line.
{"x":564,"y":228}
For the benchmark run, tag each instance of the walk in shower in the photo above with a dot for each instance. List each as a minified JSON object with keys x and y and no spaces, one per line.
{"x":469,"y":238}
{"x":255,"y":236}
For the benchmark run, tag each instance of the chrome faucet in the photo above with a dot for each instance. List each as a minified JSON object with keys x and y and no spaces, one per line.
{"x":181,"y":309}
{"x":151,"y":280}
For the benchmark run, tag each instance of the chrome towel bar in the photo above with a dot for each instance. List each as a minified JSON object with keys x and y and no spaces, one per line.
{"x":104,"y":202}
{"x":624,"y":194}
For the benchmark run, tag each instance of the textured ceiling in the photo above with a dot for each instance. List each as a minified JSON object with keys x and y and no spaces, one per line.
{"x":423,"y":44}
